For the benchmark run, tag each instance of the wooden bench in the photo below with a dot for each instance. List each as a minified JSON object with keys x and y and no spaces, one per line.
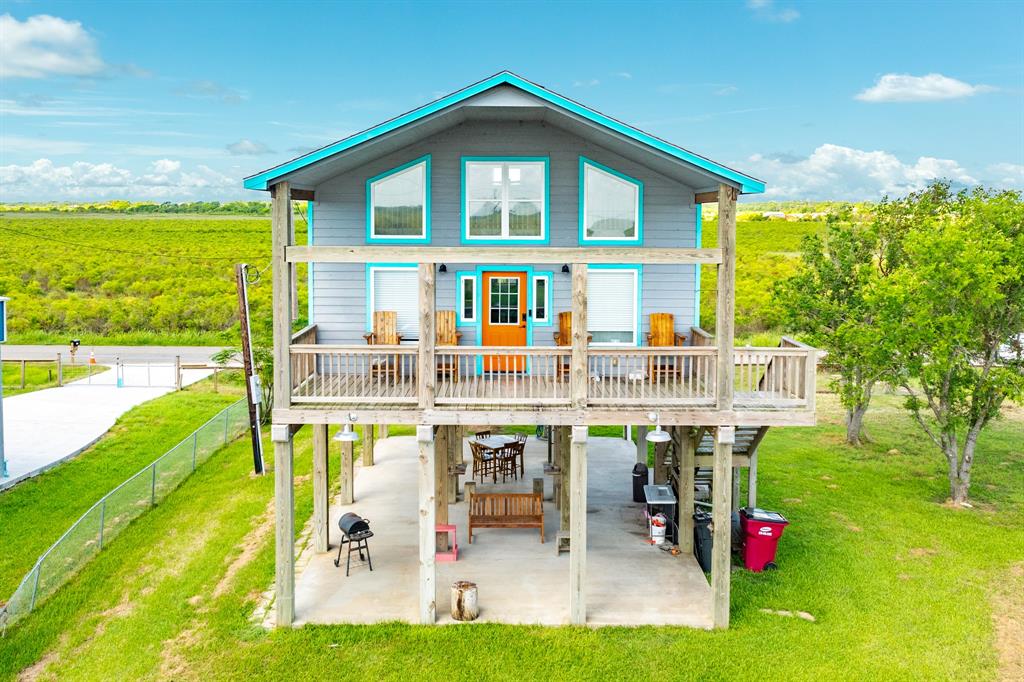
{"x":506,"y":510}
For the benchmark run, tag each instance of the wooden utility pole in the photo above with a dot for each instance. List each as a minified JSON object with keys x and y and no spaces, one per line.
{"x":252,"y":395}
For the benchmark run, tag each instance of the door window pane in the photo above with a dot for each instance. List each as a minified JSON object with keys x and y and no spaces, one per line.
{"x":504,"y":300}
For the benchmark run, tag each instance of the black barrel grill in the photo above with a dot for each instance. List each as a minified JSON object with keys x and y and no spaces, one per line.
{"x":356,"y":532}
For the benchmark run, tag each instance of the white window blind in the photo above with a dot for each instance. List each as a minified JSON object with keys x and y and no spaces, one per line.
{"x":398,"y":289}
{"x":611,"y":306}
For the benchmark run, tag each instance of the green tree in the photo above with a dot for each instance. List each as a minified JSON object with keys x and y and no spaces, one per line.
{"x":827,"y":300}
{"x":952,"y":315}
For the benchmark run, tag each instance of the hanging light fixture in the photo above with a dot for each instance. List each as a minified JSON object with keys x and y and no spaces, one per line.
{"x":443,"y":268}
{"x":657,"y":435}
{"x":565,"y":269}
{"x":347,"y":434}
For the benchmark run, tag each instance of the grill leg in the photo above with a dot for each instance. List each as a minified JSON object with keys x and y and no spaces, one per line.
{"x":348,"y":559}
{"x":366,"y":543}
{"x":341,"y":546}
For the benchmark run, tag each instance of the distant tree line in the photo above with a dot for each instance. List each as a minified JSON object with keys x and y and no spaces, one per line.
{"x":248,"y":208}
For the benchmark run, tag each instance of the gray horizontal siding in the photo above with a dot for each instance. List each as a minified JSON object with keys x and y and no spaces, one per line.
{"x":339,"y":295}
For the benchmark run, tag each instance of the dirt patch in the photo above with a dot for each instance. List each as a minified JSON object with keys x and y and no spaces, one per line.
{"x":250,"y":545}
{"x":791,"y":614}
{"x":36,"y":670}
{"x":792,"y":500}
{"x":846,"y":522}
{"x":1008,"y":617}
{"x":173,"y":663}
{"x":921,"y":552}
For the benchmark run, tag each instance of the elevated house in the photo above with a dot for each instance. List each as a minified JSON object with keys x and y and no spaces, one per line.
{"x":507,"y":256}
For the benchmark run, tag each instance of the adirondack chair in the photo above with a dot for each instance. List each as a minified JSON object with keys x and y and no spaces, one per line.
{"x":384,"y":333}
{"x":447,"y":365}
{"x":563,"y":337}
{"x":663,"y":334}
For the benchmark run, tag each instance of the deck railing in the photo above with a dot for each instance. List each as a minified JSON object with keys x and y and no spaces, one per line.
{"x":471,"y":376}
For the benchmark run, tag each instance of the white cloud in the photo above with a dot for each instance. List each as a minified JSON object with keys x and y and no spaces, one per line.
{"x":725,"y":90}
{"x":767,"y":11}
{"x":42,"y":180}
{"x":247,"y":148}
{"x":1007,"y":175}
{"x":44,"y":46}
{"x":902,"y":87}
{"x":586,"y":83}
{"x":207,"y":89}
{"x":623,"y":74}
{"x":836,"y":172}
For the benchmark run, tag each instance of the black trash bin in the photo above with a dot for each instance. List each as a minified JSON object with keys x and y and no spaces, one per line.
{"x":702,"y":539}
{"x":639,"y":481}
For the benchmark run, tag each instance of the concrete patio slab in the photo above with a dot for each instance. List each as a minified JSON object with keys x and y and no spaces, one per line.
{"x":520,"y":580}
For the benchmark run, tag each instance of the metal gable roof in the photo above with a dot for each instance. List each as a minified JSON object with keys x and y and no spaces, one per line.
{"x":747,"y":184}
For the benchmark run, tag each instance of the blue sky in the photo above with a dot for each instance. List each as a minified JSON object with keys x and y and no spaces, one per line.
{"x":179,"y":101}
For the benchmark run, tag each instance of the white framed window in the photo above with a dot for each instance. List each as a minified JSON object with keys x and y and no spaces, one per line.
{"x":611,"y":205}
{"x":613,"y":302}
{"x":467,"y":298}
{"x":541,"y":303}
{"x":394,"y":288}
{"x":505,"y":199}
{"x":398,"y":204}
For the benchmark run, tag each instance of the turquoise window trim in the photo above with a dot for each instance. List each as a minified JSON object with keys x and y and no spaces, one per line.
{"x":425,"y":239}
{"x":309,"y":266}
{"x":370,"y":267}
{"x":747,"y":184}
{"x":638,"y":322}
{"x":696,"y":268}
{"x":546,"y":225}
{"x":548,"y":275}
{"x":639,"y":239}
{"x":461,"y":321}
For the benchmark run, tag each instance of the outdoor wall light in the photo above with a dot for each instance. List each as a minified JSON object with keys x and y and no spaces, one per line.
{"x":565,"y":269}
{"x":347,"y":435}
{"x":657,"y":435}
{"x":443,"y":268}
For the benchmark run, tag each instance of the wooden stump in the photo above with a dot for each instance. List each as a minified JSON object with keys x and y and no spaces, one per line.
{"x":464,"y":601}
{"x":538,"y":486}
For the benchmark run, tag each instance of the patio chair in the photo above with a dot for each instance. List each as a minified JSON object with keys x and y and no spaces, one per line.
{"x":483,"y":434}
{"x":447,"y":365}
{"x":663,"y":334}
{"x":563,"y":337}
{"x":484,"y":464}
{"x":521,"y":442}
{"x":384,"y":333}
{"x":506,"y":458}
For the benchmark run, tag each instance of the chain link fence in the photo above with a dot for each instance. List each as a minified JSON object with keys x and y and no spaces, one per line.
{"x":112,"y":514}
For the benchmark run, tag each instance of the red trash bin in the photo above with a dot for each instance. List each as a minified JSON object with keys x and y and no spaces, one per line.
{"x":761,"y":532}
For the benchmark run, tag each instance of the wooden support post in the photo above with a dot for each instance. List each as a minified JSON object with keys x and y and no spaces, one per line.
{"x":660,"y":470}
{"x":60,"y":370}
{"x":578,"y":527}
{"x":382,"y":431}
{"x":347,"y":473}
{"x":441,"y":450}
{"x":641,"y":444}
{"x":368,"y":445}
{"x":177,"y":372}
{"x":687,"y":451}
{"x":752,"y":481}
{"x":735,"y":506}
{"x":284,"y":510}
{"x":565,"y":492}
{"x":721,"y":521}
{"x":428,"y":546}
{"x":726,"y":298}
{"x":281,"y":229}
{"x":427,"y":374}
{"x":578,"y":375}
{"x":23,"y":362}
{"x":321,"y":503}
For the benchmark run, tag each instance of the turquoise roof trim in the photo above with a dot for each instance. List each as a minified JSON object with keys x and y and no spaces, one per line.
{"x":748,"y":185}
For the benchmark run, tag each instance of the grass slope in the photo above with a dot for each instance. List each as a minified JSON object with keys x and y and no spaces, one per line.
{"x":34,"y":513}
{"x":900,"y":584}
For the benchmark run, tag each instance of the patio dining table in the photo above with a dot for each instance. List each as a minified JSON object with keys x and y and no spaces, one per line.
{"x":491,"y":444}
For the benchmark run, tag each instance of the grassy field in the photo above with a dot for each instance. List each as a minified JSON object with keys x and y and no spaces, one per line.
{"x":169,"y":279}
{"x":39,"y":375}
{"x":123,"y":279}
{"x":900,"y":585}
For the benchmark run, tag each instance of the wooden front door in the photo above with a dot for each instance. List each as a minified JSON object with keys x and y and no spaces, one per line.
{"x":504,"y":318}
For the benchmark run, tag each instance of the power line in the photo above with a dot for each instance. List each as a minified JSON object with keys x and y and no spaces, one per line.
{"x":94,"y":247}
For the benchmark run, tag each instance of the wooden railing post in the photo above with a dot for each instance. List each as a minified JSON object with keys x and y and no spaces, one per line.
{"x":721,"y":522}
{"x":726,"y":299}
{"x":578,"y":377}
{"x":427,"y":374}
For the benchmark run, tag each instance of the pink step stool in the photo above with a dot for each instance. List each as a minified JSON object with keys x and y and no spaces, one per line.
{"x":453,"y":555}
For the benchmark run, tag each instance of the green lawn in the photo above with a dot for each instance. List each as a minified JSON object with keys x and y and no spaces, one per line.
{"x":39,"y":375}
{"x":901,"y":586}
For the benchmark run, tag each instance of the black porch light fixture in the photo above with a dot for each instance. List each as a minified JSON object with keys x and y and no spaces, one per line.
{"x":565,"y":269}
{"x":443,"y":268}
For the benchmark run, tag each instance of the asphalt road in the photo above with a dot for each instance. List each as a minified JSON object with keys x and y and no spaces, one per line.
{"x":106,"y":355}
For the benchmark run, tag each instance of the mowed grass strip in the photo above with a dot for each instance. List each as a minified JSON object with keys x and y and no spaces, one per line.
{"x":900,"y":585}
{"x":40,"y":375}
{"x":34,"y":513}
